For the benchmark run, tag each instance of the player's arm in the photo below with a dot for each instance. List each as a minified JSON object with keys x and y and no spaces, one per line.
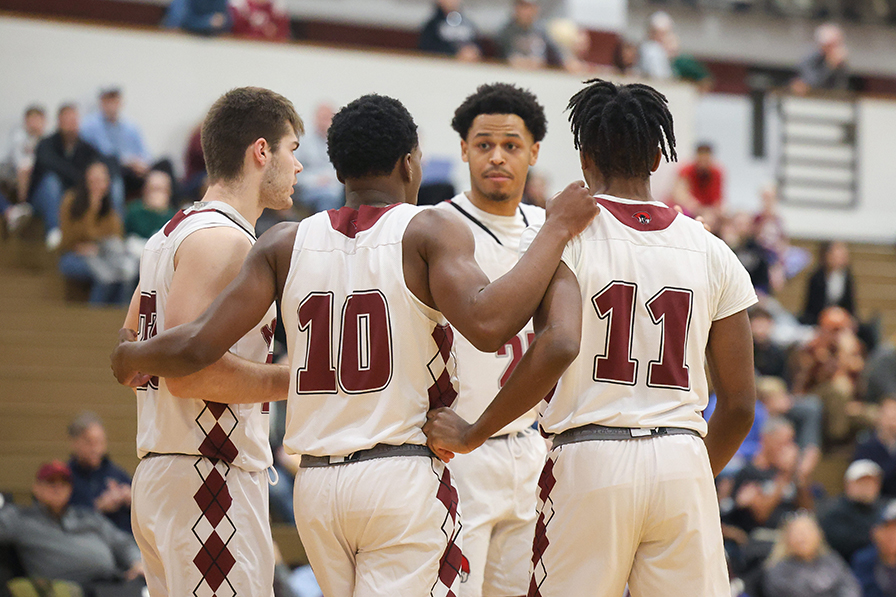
{"x":730,"y":356}
{"x":558,"y":334}
{"x":488,"y":314}
{"x":185,"y":349}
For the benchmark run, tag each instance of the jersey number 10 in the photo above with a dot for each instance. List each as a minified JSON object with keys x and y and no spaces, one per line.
{"x":670,"y":308}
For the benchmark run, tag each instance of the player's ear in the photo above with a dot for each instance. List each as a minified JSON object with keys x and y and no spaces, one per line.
{"x":657,"y":159}
{"x":405,"y":168}
{"x":463,"y":150}
{"x":260,"y":150}
{"x":533,"y":153}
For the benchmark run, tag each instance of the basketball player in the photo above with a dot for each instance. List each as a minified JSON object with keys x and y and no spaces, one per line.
{"x":365,"y":292}
{"x":626,"y":494}
{"x":200,"y":492}
{"x":501,"y":127}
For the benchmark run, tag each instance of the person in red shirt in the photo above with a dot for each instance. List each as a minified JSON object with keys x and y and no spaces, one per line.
{"x":699,"y":189}
{"x":260,"y":19}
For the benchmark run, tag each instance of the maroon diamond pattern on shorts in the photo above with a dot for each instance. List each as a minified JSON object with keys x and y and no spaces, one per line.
{"x":217,"y":442}
{"x":213,"y":529}
{"x":214,"y":561}
{"x":213,"y":498}
{"x":545,"y":512}
{"x":453,"y":566}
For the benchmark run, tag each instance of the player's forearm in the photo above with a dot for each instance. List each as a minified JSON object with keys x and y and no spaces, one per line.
{"x":173,"y":353}
{"x":728,"y":427}
{"x":534,"y":377}
{"x":503,"y":307}
{"x":233,"y":380}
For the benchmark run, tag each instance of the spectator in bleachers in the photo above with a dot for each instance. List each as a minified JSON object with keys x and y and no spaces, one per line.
{"x":879,"y":375}
{"x":739,"y":233}
{"x":92,"y":244}
{"x":825,"y":68}
{"x":260,"y":19}
{"x":847,"y":523}
{"x":574,"y":45}
{"x":57,"y":541}
{"x":147,"y":216}
{"x":831,"y":283}
{"x":786,"y":260}
{"x":881,"y":445}
{"x":828,"y":366}
{"x":60,"y":161}
{"x":97,"y":482}
{"x":203,"y":17}
{"x":523,"y":41}
{"x":875,"y":566}
{"x":626,"y":58}
{"x":120,"y":140}
{"x":654,"y":57}
{"x":803,"y":412}
{"x":685,"y":67}
{"x":803,"y":565}
{"x":700,"y":186}
{"x":450,"y":32}
{"x":18,"y":162}
{"x":318,"y":187}
{"x":769,"y":357}
{"x":195,"y":179}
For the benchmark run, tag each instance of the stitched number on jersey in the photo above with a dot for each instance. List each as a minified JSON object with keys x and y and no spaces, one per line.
{"x":515,"y":349}
{"x":365,"y":344}
{"x":146,"y":325}
{"x":669,"y":308}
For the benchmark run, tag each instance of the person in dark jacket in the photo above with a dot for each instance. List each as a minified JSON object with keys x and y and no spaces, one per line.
{"x":450,"y":32}
{"x":830,"y":284}
{"x":847,"y":523}
{"x":875,"y":566}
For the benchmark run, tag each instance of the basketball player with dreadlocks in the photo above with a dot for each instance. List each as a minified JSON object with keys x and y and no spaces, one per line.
{"x":642,"y":299}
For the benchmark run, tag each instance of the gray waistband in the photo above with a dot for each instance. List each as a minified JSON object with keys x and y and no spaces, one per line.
{"x":507,"y":435}
{"x":599,"y":432}
{"x":378,"y":451}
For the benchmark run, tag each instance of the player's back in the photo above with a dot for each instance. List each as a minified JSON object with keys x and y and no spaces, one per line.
{"x":167,"y":424}
{"x":368,"y":359}
{"x":652,"y":283}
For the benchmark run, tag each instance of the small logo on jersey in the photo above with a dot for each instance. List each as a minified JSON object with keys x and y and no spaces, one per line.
{"x":643,"y":217}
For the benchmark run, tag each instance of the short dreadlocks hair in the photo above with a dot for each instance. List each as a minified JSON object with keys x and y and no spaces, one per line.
{"x":369,"y":136}
{"x":501,"y":98}
{"x":620,"y":127}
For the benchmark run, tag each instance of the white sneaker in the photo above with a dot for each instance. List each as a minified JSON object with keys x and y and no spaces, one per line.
{"x":54,"y":237}
{"x":17,"y":216}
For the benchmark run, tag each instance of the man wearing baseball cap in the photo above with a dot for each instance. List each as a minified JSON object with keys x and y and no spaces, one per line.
{"x":847,"y":523}
{"x":875,"y":566}
{"x":56,"y":541}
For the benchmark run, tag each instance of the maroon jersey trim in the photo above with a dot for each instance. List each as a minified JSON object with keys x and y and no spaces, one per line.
{"x":644,"y":217}
{"x":350,"y":221}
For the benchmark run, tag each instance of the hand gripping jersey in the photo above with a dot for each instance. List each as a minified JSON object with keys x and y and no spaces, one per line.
{"x":368,"y":359}
{"x":480,"y":375}
{"x":652,"y":283}
{"x":166,"y":424}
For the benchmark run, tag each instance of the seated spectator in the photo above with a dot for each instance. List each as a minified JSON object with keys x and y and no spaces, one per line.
{"x":828,"y":366}
{"x":97,"y":482}
{"x":57,"y":541}
{"x":450,"y":32}
{"x":147,"y":216}
{"x":825,"y":67}
{"x":203,"y":17}
{"x":574,"y":45}
{"x":260,"y":19}
{"x":769,"y":357}
{"x":881,"y":446}
{"x":875,"y":566}
{"x":626,"y":58}
{"x":17,"y":164}
{"x":654,"y":57}
{"x":802,"y":565}
{"x":803,"y":412}
{"x":60,"y":161}
{"x":523,"y":41}
{"x":830,"y":284}
{"x":787,"y":261}
{"x":878,"y":378}
{"x":685,"y":67}
{"x":739,"y":233}
{"x":700,"y":186}
{"x":119,"y":140}
{"x":848,"y":521}
{"x":92,"y":245}
{"x":318,"y":187}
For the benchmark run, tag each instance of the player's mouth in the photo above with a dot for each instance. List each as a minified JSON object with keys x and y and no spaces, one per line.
{"x":498,"y":176}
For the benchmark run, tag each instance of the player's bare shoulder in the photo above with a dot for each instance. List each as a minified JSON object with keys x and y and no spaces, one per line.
{"x":432,"y":228}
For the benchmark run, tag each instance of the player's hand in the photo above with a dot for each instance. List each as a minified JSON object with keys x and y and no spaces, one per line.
{"x":698,"y":218}
{"x":446,"y":433}
{"x":126,"y":377}
{"x":573,"y":208}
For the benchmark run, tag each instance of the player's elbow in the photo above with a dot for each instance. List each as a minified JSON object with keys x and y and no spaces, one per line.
{"x":560,"y":349}
{"x":487,"y":337}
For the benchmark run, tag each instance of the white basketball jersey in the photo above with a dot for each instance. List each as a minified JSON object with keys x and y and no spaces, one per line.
{"x":652,"y":283}
{"x":368,"y":359}
{"x":166,"y":424}
{"x":480,"y":375}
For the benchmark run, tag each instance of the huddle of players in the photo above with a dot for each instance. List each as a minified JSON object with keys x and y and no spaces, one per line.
{"x":367,"y":293}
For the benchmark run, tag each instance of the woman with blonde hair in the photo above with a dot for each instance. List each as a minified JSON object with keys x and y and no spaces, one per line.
{"x":803,"y":565}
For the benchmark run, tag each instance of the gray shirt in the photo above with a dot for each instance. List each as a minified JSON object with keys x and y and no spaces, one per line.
{"x":81,"y":546}
{"x":826,"y":576}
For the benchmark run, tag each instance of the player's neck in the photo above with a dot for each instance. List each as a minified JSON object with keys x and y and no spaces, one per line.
{"x":508,"y":207}
{"x":239,"y":196}
{"x":635,"y":189}
{"x":370,"y":197}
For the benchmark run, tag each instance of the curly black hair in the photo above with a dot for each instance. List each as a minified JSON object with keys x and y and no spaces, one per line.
{"x":501,"y":98}
{"x":369,"y":136}
{"x":620,"y":127}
